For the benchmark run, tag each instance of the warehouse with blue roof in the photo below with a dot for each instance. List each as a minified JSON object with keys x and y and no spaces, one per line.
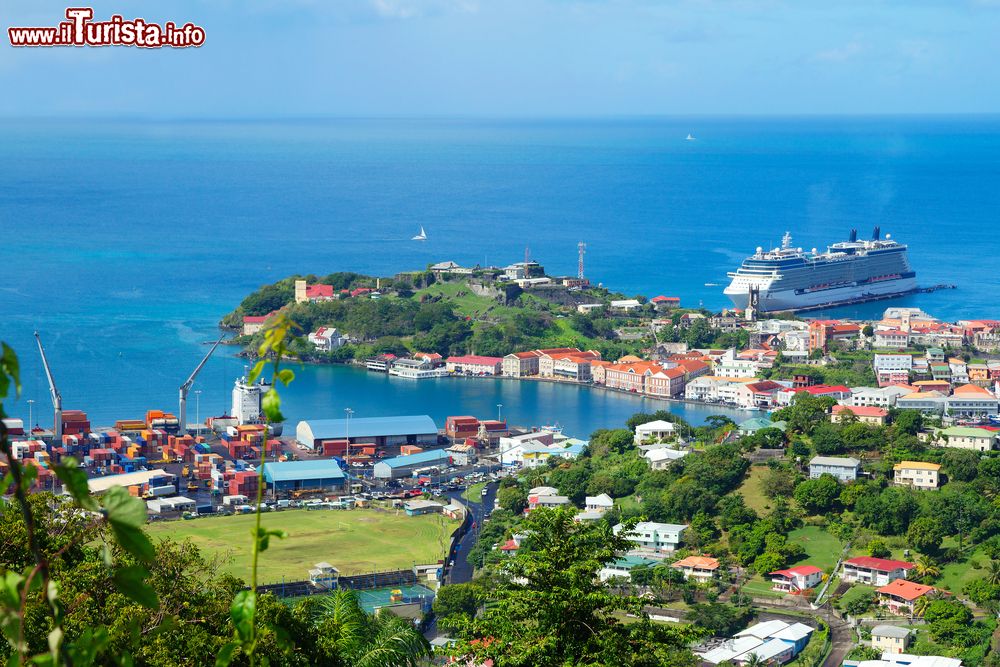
{"x":381,"y":431}
{"x":288,"y":476}
{"x":403,"y":466}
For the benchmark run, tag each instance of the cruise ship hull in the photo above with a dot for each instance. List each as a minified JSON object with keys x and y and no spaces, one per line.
{"x":773,"y":300}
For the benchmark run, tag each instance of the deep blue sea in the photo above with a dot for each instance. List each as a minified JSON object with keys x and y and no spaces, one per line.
{"x":124,"y":242}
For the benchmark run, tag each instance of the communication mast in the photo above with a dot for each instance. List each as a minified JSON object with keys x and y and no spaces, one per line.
{"x":582,"y":249}
{"x":527,"y":258}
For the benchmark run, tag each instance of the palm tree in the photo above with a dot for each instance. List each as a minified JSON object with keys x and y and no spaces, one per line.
{"x":755,"y":661}
{"x":993,"y":573}
{"x":926,"y":568}
{"x":920,"y":605}
{"x":351,"y":637}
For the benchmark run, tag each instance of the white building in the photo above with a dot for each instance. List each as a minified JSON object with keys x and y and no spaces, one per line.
{"x":601,"y":503}
{"x":655,"y":430}
{"x":965,"y":437}
{"x":326,"y":339}
{"x":626,"y":304}
{"x":891,"y":638}
{"x":876,"y":397}
{"x":246,"y":400}
{"x":416,"y":369}
{"x":654,"y":537}
{"x":660,"y":458}
{"x":844,"y":468}
{"x":892,"y":368}
{"x":731,"y":367}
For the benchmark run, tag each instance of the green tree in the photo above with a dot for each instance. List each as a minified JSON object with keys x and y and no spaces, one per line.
{"x":513,"y":499}
{"x":767,"y":562}
{"x":877,"y":548}
{"x":889,"y":512}
{"x":806,"y":412}
{"x":948,"y":620}
{"x":722,"y":620}
{"x":925,"y":535}
{"x":961,"y":464}
{"x":826,"y":439}
{"x":456,"y":600}
{"x":819,"y":495}
{"x":550,"y":609}
{"x":926,"y":568}
{"x":347,"y":635}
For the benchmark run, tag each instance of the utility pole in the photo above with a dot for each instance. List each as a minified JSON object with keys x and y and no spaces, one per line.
{"x":499,"y":446}
{"x":197,"y":409}
{"x":347,"y":437}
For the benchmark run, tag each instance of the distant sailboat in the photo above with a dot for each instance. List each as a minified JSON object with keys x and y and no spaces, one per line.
{"x":422,"y":236}
{"x":690,"y":137}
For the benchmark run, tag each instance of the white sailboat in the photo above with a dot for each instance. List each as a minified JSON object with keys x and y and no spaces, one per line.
{"x":690,"y":137}
{"x":422,"y":236}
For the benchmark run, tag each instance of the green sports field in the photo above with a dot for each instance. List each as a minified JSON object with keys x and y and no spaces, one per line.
{"x":352,"y":540}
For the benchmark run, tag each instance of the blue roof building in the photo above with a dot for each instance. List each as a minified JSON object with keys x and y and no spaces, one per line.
{"x":401,"y":430}
{"x":401,"y":466}
{"x":324,"y":475}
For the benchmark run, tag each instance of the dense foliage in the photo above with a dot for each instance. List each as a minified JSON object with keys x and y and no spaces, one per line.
{"x":548,"y":609}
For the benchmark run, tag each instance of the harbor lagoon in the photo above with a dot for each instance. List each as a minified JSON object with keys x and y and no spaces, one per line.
{"x":325,"y":391}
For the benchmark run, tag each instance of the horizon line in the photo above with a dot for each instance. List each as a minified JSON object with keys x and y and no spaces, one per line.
{"x":150,"y":117}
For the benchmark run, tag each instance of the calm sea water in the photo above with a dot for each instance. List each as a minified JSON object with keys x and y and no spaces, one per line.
{"x":124,"y":242}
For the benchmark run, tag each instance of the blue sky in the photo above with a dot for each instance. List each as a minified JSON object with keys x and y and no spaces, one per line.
{"x":269,"y":58}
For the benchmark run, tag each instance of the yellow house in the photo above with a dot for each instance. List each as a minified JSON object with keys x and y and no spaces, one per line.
{"x":917,"y":474}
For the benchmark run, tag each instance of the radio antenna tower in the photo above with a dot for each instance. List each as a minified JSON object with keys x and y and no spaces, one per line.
{"x":582,"y":248}
{"x":527,"y":257}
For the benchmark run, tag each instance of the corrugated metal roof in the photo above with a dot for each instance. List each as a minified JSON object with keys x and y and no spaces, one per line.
{"x":368,"y":427}
{"x":430,"y":456}
{"x":294,"y":470}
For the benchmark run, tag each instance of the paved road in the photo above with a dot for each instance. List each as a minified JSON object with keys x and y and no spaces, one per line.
{"x":462,"y":571}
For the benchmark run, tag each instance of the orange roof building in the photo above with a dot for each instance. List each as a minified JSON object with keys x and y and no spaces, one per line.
{"x":698,"y":567}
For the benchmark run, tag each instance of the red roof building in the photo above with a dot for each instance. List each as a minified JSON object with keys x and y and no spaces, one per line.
{"x":868,"y":414}
{"x":319,"y":292}
{"x":472,"y":364}
{"x":795,"y":580}
{"x":899,"y":595}
{"x":874,"y":571}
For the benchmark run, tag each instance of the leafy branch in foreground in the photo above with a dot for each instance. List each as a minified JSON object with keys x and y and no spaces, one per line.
{"x":272,"y":350}
{"x":116,"y":510}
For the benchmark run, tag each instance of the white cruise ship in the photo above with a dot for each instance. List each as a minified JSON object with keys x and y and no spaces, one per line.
{"x":853,"y":271}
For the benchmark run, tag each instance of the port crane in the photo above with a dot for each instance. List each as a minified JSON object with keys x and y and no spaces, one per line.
{"x":186,"y":387}
{"x":53,"y":391}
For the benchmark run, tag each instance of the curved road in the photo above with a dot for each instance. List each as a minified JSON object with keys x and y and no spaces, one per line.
{"x":461,"y":572}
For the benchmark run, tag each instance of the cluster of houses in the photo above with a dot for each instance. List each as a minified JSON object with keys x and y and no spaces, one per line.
{"x":915,"y":474}
{"x":773,"y":642}
{"x":538,"y":448}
